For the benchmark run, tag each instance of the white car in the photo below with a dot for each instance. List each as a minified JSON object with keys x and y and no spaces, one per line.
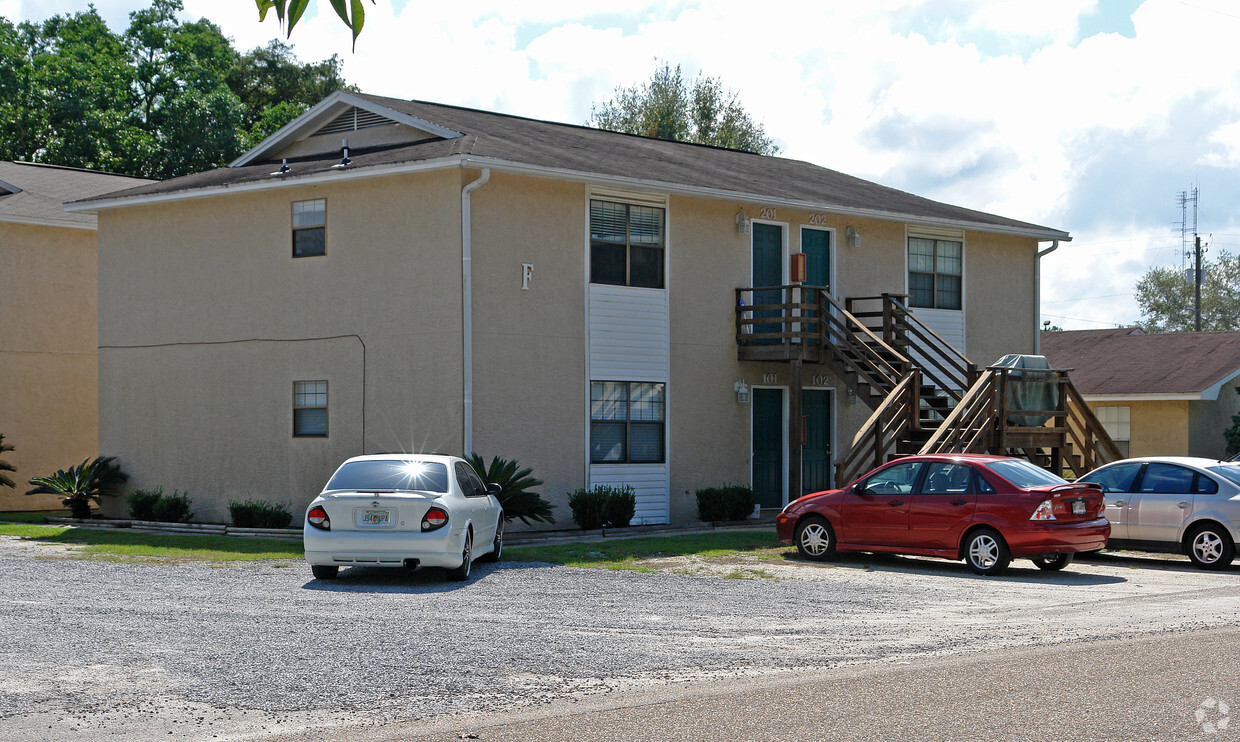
{"x":403,"y":510}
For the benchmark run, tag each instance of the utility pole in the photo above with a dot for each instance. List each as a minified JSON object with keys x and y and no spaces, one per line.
{"x":1197,"y":287}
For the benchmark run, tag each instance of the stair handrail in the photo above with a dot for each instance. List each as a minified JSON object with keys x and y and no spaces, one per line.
{"x":958,"y":373}
{"x":880,"y":433}
{"x":1088,"y":435}
{"x":970,"y":424}
{"x":841,"y":329}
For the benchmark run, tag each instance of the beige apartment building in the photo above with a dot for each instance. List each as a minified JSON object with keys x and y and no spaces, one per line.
{"x":48,"y":365}
{"x":387,"y":275}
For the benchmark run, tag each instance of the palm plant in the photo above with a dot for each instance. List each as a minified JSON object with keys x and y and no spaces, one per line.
{"x":79,"y":485}
{"x":5,"y":481}
{"x":517,"y":495}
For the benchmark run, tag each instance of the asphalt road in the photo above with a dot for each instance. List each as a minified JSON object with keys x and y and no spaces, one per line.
{"x":103,"y":650}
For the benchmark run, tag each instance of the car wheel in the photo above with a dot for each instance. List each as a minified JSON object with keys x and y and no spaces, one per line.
{"x":1052,"y":563}
{"x":324,"y":572}
{"x":467,"y":556}
{"x":497,"y":546}
{"x":815,"y":540}
{"x":1211,"y":547}
{"x":986,"y":552}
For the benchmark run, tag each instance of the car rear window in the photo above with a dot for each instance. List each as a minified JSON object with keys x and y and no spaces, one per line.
{"x":1024,"y":474}
{"x":395,"y":474}
{"x":1230,"y":472}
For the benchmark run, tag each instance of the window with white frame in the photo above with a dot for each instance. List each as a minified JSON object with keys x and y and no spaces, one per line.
{"x":1117,"y":422}
{"x":309,"y":409}
{"x":627,"y":420}
{"x":309,"y":228}
{"x":935,"y":273}
{"x":626,"y":244}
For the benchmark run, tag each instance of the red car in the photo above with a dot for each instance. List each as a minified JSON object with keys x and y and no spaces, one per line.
{"x":982,"y":509}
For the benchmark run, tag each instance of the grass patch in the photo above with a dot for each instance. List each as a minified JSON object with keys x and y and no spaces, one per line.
{"x":627,"y":553}
{"x":33,"y":517}
{"x":118,"y":545}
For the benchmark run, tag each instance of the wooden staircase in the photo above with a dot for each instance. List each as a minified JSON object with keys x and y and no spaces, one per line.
{"x":925,"y":395}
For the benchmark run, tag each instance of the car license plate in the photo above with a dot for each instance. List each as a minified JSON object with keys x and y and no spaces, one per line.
{"x":1078,"y":507}
{"x":376,"y":517}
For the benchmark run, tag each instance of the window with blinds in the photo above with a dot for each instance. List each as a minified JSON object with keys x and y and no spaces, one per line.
{"x":309,"y":409}
{"x":627,"y":420}
{"x":935,"y":269}
{"x":309,"y":228}
{"x":626,"y":244}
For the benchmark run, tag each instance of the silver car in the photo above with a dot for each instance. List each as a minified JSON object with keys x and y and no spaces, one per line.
{"x":1176,"y":504}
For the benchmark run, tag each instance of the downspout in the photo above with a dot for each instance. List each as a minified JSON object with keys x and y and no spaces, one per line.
{"x":467,"y":314}
{"x":1037,"y":296}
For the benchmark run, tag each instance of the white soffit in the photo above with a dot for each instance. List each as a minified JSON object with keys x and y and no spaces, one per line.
{"x":340,"y":111}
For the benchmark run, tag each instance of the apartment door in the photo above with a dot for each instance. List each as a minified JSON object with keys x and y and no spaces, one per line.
{"x":768,"y":270}
{"x":816,"y":452}
{"x":767,"y":460}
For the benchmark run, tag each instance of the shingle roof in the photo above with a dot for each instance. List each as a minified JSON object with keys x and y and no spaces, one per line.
{"x":593,"y":152}
{"x":1120,"y":362}
{"x":45,"y":188}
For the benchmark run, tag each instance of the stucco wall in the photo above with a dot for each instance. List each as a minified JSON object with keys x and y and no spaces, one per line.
{"x":1158,"y":428}
{"x":48,"y":377}
{"x":235,"y":320}
{"x":1209,"y":418}
{"x":999,"y":296}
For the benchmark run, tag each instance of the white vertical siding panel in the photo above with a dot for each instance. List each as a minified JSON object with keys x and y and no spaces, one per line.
{"x":630,"y":335}
{"x":650,"y":483}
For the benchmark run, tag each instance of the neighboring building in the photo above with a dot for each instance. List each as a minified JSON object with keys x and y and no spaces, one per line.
{"x":460,"y":280}
{"x":1168,"y":394}
{"x":48,"y":371}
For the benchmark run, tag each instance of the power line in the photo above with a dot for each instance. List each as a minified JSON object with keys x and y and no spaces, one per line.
{"x":1091,"y":321}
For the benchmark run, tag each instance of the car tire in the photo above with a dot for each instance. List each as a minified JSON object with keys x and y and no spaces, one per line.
{"x":1052,"y":563}
{"x":1209,"y":546}
{"x":497,"y":546}
{"x":815,"y":539}
{"x":324,"y":572}
{"x":986,"y":552}
{"x":467,"y":557}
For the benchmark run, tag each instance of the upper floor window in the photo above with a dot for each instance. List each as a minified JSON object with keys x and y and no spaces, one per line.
{"x":309,"y":228}
{"x":626,"y":244}
{"x":935,"y":269}
{"x":1117,"y":422}
{"x":626,"y":422}
{"x":309,"y":409}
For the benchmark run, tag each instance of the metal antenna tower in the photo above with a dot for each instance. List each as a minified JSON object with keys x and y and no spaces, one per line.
{"x":1188,"y":235}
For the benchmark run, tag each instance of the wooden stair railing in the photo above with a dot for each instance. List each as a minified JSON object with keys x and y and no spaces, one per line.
{"x":969,"y":427}
{"x":1086,"y":433}
{"x":885,"y":428}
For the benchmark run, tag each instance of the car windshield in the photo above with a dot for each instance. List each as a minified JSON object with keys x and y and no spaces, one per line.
{"x":1024,"y":474}
{"x":1230,"y":472}
{"x":390,"y":474}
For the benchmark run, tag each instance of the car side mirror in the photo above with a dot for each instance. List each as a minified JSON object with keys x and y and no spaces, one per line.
{"x":494,"y":489}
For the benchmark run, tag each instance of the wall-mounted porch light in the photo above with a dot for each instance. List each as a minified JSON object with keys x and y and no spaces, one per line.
{"x":854,"y":237}
{"x":852,"y":397}
{"x":742,"y":222}
{"x":742,"y":391}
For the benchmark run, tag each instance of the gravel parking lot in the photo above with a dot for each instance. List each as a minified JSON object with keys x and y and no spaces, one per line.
{"x":98,"y":650}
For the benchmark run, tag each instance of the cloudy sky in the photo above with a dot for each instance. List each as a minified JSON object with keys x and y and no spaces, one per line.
{"x":1089,"y":116}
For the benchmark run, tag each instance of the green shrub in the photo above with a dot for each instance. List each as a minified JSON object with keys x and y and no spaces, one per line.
{"x":603,"y":506}
{"x":142,"y":503}
{"x":172,"y":508}
{"x":516,"y":485}
{"x":729,"y":502}
{"x":80,"y":485}
{"x":260,"y":514}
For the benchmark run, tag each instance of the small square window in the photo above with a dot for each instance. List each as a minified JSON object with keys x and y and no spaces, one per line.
{"x":309,"y":228}
{"x":309,"y":409}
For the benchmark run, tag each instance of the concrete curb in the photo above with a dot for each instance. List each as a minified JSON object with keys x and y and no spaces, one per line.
{"x":196,"y":529}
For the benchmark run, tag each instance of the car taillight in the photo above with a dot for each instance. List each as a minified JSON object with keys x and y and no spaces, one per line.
{"x":1045,"y":511}
{"x":317,"y":517}
{"x":434,"y":518}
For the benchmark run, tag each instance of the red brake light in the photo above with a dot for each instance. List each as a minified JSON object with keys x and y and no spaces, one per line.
{"x":318,"y":518}
{"x":1045,"y":511}
{"x":434,"y":518}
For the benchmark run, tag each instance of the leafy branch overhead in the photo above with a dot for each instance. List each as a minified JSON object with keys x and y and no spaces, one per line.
{"x":352,"y":12}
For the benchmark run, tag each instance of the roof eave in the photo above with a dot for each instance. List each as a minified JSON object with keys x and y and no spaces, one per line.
{"x":45,"y":222}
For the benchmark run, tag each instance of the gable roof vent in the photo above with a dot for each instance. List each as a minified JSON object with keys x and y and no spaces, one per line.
{"x":352,"y":119}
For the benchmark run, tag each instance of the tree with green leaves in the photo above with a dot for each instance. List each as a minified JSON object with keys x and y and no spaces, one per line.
{"x":288,"y":12}
{"x":701,"y":111}
{"x":517,"y":496}
{"x":275,"y":87}
{"x":1165,"y":297}
{"x":5,"y":481}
